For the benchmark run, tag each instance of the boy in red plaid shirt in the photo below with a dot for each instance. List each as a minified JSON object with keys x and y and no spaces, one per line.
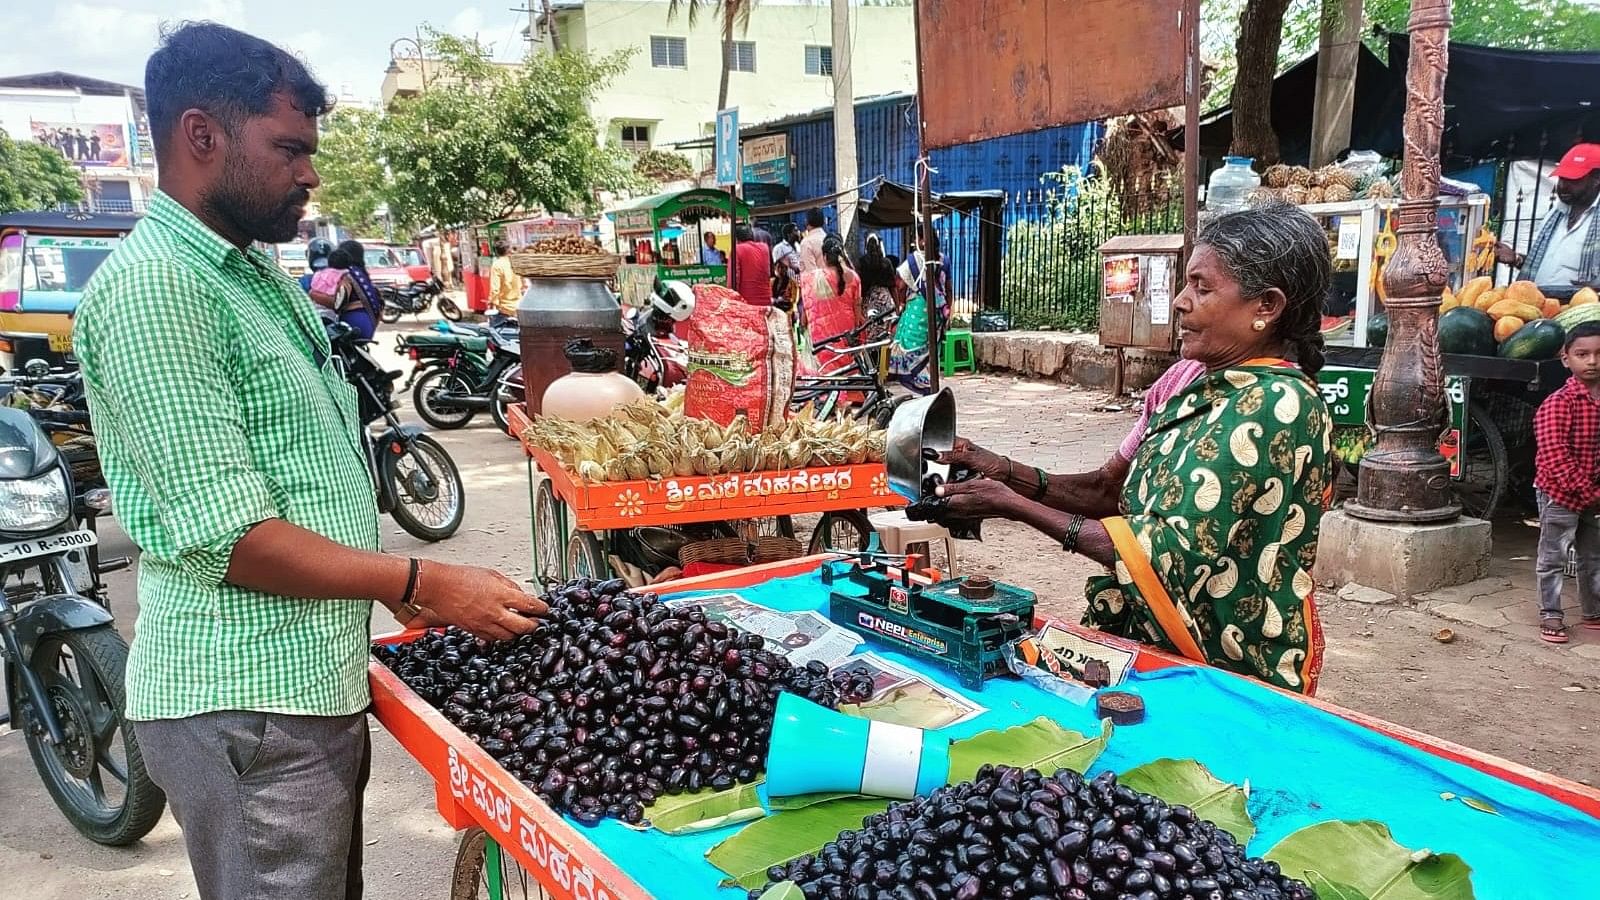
{"x":1567,"y":476}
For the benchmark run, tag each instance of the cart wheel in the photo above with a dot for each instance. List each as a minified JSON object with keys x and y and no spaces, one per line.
{"x":845,"y":530}
{"x":586,"y":558}
{"x":478,"y":861}
{"x":549,"y":536}
{"x":1485,"y":471}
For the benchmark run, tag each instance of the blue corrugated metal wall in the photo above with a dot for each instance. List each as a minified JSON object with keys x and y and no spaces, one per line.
{"x":886,"y":146}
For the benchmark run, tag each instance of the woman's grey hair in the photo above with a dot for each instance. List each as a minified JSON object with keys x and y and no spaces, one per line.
{"x":1277,"y":245}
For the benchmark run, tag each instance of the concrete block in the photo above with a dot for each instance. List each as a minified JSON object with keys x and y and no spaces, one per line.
{"x":1071,"y":358}
{"x":1404,"y":560}
{"x":1358,"y":593}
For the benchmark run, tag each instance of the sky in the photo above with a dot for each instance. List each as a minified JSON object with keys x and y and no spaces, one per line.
{"x":346,"y":43}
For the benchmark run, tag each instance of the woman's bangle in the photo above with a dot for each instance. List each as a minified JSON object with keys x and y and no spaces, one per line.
{"x":1044,"y":484}
{"x":1074,"y":527}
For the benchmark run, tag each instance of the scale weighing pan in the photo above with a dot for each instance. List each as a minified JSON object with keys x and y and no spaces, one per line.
{"x":923,"y":423}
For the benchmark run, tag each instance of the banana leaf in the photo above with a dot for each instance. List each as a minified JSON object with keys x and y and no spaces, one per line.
{"x":705,"y":810}
{"x":783,"y":890}
{"x":1187,"y":782}
{"x":1040,"y":744}
{"x":786,"y":834}
{"x":1361,"y":861}
{"x":778,"y":838}
{"x":801,"y":801}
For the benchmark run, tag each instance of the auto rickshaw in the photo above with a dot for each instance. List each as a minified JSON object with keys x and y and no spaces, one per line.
{"x":46,"y":259}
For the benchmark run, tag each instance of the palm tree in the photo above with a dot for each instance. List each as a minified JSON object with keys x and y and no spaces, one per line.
{"x":732,"y":12}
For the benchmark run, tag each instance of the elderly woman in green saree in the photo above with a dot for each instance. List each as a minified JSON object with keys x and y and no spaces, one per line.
{"x":1207,"y":524}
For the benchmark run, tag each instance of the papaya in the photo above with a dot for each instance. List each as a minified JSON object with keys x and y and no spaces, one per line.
{"x":1584,"y":297}
{"x":1526,"y":291}
{"x":1506,"y":327}
{"x":1552,"y":307}
{"x":1471,"y":290}
{"x":1448,"y":301}
{"x":1486,"y":300}
{"x":1513,"y":307}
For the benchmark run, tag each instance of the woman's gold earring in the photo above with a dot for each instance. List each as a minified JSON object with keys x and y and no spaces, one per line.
{"x":1259,"y":325}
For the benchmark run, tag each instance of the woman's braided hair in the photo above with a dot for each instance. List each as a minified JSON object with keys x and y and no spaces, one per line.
{"x":1277,"y":245}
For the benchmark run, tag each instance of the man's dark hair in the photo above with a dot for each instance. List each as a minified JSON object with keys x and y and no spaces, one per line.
{"x":501,"y":248}
{"x":815,"y":218}
{"x":742,"y":232}
{"x":790,"y":232}
{"x":1581,"y":330}
{"x":225,"y":72}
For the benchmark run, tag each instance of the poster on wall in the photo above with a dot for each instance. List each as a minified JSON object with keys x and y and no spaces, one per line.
{"x":766,"y":159}
{"x":97,"y":145}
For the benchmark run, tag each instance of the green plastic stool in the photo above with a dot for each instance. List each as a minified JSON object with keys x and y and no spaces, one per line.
{"x":956,"y":354}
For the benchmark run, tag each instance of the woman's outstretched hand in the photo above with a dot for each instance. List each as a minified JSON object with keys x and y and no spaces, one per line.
{"x":980,"y":498}
{"x":984,"y":462}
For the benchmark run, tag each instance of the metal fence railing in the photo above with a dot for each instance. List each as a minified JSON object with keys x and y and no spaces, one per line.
{"x":1050,"y":264}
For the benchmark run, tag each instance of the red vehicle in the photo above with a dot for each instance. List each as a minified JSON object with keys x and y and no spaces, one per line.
{"x":397,"y":265}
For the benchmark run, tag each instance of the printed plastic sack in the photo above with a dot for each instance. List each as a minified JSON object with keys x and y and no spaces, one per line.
{"x":741,"y":360}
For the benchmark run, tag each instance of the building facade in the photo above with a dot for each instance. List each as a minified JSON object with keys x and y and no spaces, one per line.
{"x":98,"y":126}
{"x":782,"y":62}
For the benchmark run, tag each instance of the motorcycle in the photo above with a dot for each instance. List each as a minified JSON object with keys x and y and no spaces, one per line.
{"x":415,"y":298}
{"x":436,"y":347}
{"x":64,"y":660}
{"x":417,"y":481}
{"x":449,"y":396}
{"x":652,"y":353}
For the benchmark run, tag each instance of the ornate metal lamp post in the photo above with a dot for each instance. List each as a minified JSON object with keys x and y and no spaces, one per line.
{"x":1404,"y":478}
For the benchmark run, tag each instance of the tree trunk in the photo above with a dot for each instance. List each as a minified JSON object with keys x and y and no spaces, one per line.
{"x":1260,"y":34}
{"x":727,"y":56}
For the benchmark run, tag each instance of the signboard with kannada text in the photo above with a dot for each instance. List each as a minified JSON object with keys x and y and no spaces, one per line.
{"x":766,"y":159}
{"x":1345,"y":390}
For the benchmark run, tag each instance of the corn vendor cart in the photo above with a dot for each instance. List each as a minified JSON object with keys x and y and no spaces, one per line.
{"x":574,"y":522}
{"x":1305,"y":762}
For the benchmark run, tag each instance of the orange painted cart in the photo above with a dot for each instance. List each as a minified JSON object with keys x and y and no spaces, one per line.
{"x":572,"y":519}
{"x":516,"y":846}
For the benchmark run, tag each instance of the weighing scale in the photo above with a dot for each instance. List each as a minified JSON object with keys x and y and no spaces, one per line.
{"x":960,"y":623}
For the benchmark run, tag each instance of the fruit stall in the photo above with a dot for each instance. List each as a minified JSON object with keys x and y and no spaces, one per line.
{"x":661,"y":236}
{"x":665,"y":745}
{"x":603,"y":492}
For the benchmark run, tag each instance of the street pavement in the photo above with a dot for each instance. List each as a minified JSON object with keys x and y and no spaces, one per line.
{"x":1494,"y":687}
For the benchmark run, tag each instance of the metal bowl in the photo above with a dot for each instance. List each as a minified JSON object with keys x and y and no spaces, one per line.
{"x":926,"y":423}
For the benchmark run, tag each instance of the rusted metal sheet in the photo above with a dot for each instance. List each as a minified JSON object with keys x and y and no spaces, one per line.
{"x":997,"y":67}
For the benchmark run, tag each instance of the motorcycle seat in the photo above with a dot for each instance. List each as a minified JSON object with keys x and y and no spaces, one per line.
{"x":436,"y":341}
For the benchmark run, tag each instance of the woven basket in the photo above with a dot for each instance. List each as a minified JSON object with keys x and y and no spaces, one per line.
{"x":565,"y":265}
{"x":736,"y":552}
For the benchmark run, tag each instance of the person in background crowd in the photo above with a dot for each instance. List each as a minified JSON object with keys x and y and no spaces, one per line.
{"x":325,"y":282}
{"x":877,"y":285}
{"x":317,"y":252}
{"x":752,"y":269}
{"x":786,"y":266}
{"x":711,"y":256}
{"x":250,"y":500}
{"x":830,"y":297}
{"x":356,"y":300}
{"x":811,"y":245}
{"x":505,"y":288}
{"x":909,"y":355}
{"x":1566,"y":432}
{"x":1565,"y":254}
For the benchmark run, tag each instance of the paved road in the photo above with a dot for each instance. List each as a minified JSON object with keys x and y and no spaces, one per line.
{"x":1496,"y":688}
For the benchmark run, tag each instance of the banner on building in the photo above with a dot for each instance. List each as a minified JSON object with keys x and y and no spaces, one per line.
{"x":91,"y":145}
{"x":766,"y":159}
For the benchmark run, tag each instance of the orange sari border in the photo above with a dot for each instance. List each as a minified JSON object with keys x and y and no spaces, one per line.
{"x":1151,"y":589}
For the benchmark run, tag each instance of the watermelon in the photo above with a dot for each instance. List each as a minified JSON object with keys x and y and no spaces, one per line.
{"x":1539,"y":339}
{"x":1378,"y":329}
{"x":1584,"y":312}
{"x":1466,"y":331}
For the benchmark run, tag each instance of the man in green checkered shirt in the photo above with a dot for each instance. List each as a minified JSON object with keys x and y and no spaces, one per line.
{"x":233,"y":452}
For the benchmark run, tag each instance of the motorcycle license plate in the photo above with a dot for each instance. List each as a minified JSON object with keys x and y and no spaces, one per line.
{"x":44,"y":546}
{"x":60,"y":343}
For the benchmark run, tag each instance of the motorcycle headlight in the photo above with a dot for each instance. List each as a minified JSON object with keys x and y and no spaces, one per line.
{"x":37,"y":504}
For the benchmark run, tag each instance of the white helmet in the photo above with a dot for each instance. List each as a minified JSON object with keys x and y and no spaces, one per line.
{"x":673,"y":298}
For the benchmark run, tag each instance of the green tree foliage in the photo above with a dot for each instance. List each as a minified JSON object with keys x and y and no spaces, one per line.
{"x":479,"y":143}
{"x":354,"y":183}
{"x":33,"y":176}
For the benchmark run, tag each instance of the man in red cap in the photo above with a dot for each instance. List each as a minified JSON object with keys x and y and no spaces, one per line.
{"x":1566,"y":250}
